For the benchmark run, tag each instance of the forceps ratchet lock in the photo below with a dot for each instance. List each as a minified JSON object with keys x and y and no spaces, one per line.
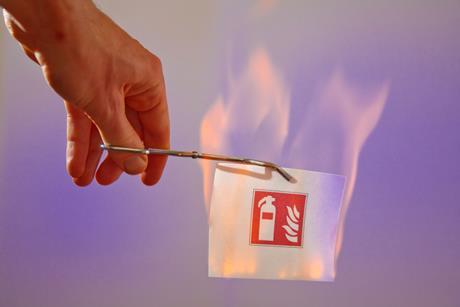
{"x":199,"y":155}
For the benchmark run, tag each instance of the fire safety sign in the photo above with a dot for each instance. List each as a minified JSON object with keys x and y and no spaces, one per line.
{"x":277,"y":218}
{"x":262,"y":226}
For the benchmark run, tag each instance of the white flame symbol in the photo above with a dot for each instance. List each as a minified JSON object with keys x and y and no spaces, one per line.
{"x":292,"y":227}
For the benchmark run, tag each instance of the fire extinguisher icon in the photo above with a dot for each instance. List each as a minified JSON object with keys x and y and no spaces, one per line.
{"x":267,"y":218}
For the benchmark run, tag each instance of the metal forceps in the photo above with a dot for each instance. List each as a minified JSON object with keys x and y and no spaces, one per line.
{"x":199,"y":155}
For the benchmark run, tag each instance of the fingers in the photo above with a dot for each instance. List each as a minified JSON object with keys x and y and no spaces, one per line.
{"x":152,"y":108}
{"x":92,"y":160}
{"x":155,"y":123}
{"x":78,"y":140}
{"x":83,"y":146}
{"x":108,"y":172}
{"x":115,"y":129}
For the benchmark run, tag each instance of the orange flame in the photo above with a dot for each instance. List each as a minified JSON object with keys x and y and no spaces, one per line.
{"x":258,"y":100}
{"x":263,"y":7}
{"x":336,"y":124}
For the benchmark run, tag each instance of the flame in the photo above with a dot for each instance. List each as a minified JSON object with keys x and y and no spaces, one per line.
{"x":335,"y":127}
{"x":315,"y":268}
{"x":213,"y":130}
{"x":258,"y":102}
{"x":254,"y":117}
{"x":263,"y":7}
{"x":232,"y":267}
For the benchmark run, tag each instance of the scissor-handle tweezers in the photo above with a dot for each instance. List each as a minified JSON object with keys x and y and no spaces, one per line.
{"x":199,"y":155}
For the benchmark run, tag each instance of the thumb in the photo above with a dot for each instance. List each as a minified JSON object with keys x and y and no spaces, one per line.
{"x":115,"y":129}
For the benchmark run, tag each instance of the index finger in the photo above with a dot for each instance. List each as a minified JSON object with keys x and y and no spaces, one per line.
{"x":155,"y":124}
{"x":149,"y":100}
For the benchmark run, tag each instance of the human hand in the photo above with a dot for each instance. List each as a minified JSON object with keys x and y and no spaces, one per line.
{"x":113,"y":88}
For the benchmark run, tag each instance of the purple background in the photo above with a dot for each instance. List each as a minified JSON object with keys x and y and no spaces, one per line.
{"x":130,"y":245}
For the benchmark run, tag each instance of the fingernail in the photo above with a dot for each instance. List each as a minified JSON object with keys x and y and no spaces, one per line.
{"x":134,"y":165}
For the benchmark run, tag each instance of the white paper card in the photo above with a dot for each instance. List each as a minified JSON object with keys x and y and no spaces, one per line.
{"x":262,"y":226}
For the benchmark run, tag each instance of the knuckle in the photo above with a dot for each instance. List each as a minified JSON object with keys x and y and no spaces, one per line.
{"x":102,"y":110}
{"x":155,"y":64}
{"x":155,"y":60}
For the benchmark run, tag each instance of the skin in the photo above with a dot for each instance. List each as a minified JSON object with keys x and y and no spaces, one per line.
{"x":113,"y":88}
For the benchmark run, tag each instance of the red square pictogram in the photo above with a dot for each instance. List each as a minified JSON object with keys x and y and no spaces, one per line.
{"x":278,"y":218}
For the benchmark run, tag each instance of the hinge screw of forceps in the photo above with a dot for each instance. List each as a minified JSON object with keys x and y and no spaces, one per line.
{"x":195,"y":155}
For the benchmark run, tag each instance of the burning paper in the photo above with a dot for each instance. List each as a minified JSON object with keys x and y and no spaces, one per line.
{"x":262,"y":226}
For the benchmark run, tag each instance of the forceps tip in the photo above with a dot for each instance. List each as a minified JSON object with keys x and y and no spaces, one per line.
{"x":285,"y":174}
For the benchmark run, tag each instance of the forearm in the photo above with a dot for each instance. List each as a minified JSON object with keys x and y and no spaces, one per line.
{"x":46,"y":21}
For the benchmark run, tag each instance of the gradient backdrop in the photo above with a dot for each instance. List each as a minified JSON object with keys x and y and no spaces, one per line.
{"x":130,"y":245}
